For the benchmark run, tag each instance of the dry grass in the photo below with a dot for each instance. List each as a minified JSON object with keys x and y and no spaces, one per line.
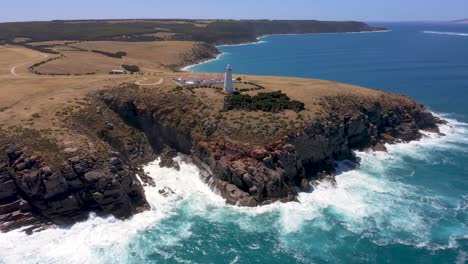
{"x":309,"y":91}
{"x":22,"y":97}
{"x":11,"y":55}
{"x":44,"y":102}
{"x":147,"y":55}
{"x":77,"y":62}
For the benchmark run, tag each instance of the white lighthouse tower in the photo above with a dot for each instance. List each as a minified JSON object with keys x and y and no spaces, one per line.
{"x":228,"y":86}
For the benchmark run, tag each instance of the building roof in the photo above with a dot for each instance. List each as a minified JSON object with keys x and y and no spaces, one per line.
{"x":201,"y":78}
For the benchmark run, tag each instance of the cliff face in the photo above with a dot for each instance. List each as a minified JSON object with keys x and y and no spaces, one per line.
{"x":200,"y":52}
{"x":278,"y":170}
{"x":256,"y":175}
{"x":32,"y":193}
{"x":128,"y":125}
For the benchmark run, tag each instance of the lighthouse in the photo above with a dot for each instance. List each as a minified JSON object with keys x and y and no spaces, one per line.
{"x":228,"y":87}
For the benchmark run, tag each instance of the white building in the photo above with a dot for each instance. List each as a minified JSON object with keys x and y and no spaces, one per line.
{"x":228,"y":86}
{"x":117,"y":72}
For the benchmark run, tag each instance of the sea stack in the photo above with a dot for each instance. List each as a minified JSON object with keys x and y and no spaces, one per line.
{"x":228,"y":86}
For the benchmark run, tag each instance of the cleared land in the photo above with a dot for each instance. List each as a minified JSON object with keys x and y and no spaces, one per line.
{"x":77,"y":62}
{"x":29,"y":100}
{"x":146,"y":55}
{"x":43,"y":102}
{"x":13,"y":57}
{"x":79,"y":58}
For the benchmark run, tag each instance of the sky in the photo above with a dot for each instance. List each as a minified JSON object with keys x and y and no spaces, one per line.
{"x":360,"y":10}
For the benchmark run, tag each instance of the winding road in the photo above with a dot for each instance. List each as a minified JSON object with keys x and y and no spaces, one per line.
{"x":13,"y":67}
{"x":139,"y":82}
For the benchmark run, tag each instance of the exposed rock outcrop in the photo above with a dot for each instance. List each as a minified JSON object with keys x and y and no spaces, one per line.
{"x":256,"y":175}
{"x":31,"y":193}
{"x":127,"y":128}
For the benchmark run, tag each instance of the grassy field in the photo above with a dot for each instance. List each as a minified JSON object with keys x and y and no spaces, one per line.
{"x":43,"y":102}
{"x":149,"y":56}
{"x":14,"y":55}
{"x":90,"y":57}
{"x":76,"y":62}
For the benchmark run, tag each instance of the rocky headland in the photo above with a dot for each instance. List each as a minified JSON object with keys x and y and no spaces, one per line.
{"x":251,"y":158}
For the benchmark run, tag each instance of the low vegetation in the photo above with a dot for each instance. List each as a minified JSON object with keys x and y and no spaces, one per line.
{"x":118,"y":54}
{"x":131,"y":68}
{"x":255,"y":86}
{"x":33,"y":67}
{"x":267,"y":102}
{"x":213,"y":32}
{"x":36,"y":48}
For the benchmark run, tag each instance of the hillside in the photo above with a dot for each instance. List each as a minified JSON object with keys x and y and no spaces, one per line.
{"x":461,"y":21}
{"x":210,"y":31}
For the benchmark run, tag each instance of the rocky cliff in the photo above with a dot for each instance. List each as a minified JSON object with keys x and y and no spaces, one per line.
{"x":249,"y":174}
{"x":125,"y":127}
{"x":33,"y":193}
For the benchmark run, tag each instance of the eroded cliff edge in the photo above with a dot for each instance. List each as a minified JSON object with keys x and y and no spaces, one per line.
{"x":253,"y":157}
{"x":256,"y":172}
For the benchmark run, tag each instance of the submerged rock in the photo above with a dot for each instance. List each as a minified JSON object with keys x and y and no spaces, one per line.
{"x":167,"y":159}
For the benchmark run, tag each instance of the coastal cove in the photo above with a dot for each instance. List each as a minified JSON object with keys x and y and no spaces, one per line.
{"x":406,"y":205}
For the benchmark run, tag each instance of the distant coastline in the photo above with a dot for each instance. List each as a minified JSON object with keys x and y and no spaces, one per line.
{"x":260,"y":41}
{"x":187,"y":68}
{"x":461,"y":21}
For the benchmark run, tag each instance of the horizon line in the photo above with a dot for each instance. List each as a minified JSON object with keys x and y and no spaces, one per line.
{"x":233,"y":19}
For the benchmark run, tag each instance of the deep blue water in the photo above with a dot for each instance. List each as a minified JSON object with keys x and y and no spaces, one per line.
{"x":409,"y":205}
{"x":433,"y":68}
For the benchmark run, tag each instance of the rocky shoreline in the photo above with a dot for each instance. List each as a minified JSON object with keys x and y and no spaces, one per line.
{"x":31,"y":193}
{"x":252,"y":175}
{"x":129,"y":126}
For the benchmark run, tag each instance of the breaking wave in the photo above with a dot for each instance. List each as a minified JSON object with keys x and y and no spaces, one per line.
{"x":189,"y":68}
{"x":377,"y":203}
{"x":446,"y":33}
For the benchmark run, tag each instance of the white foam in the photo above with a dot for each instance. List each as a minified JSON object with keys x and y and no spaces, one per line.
{"x":104,"y":239}
{"x":446,"y":33}
{"x":258,"y":42}
{"x":330,"y":33}
{"x":93,"y":241}
{"x":363,"y":200}
{"x":190,"y":67}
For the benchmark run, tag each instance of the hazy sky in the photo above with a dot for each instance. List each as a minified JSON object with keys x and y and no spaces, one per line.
{"x":363,"y":10}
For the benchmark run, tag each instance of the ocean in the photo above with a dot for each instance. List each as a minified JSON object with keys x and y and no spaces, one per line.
{"x":409,"y":205}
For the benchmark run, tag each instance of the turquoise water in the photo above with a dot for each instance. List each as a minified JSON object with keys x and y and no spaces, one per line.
{"x":409,"y":205}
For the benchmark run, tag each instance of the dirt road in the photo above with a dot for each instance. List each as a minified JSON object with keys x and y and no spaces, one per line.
{"x":140,"y":82}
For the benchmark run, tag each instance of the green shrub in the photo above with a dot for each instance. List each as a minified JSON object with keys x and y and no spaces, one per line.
{"x":131,"y":68}
{"x":118,"y":54}
{"x":267,"y":102}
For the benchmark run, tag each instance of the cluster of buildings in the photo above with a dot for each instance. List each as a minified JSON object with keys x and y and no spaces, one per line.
{"x":226,"y":79}
{"x":200,"y":80}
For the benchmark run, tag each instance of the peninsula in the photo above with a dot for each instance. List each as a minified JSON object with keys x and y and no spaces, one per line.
{"x":73,"y":137}
{"x":461,"y":21}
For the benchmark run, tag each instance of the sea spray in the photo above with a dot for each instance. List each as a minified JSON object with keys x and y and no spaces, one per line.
{"x":446,"y":33}
{"x":375,"y":202}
